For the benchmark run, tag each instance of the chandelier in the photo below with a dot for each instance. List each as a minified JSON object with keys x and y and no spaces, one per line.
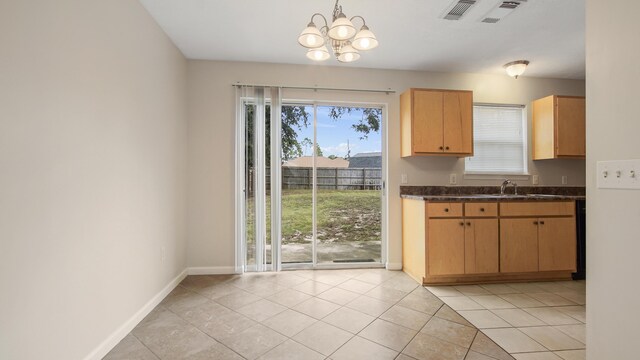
{"x":341,"y":35}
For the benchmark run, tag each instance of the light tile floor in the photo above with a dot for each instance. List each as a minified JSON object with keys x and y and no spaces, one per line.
{"x":532,"y":321}
{"x":332,"y":314}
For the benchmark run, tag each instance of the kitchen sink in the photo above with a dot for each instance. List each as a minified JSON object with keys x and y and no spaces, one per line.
{"x":502,"y":196}
{"x":541,"y":195}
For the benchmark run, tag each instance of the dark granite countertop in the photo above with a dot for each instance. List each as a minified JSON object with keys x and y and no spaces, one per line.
{"x":491,"y":193}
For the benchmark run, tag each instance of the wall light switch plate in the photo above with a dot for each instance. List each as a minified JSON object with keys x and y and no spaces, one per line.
{"x":618,"y":174}
{"x":453,"y":179}
{"x":564,"y":180}
{"x":535,"y":179}
{"x":404,"y":179}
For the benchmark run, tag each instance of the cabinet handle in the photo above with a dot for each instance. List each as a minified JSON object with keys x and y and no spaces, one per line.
{"x":535,"y":223}
{"x":446,"y":148}
{"x":468,"y":224}
{"x":461,"y":223}
{"x":481,"y":209}
{"x":446,"y":209}
{"x":541,"y":222}
{"x":441,"y":148}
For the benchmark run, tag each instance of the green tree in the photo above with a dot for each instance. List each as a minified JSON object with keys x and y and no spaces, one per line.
{"x":308,"y":143}
{"x":294,"y":118}
{"x":369,"y":122}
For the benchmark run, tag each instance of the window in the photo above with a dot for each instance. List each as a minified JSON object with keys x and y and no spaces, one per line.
{"x":499,"y":140}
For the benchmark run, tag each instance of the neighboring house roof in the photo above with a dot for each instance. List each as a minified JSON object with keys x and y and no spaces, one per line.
{"x":366,"y":160}
{"x":321,"y":162}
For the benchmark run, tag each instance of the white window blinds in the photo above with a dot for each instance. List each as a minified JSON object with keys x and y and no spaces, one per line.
{"x":499,"y":140}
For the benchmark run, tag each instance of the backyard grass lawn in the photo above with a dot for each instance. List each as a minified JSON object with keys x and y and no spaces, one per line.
{"x":343,"y":215}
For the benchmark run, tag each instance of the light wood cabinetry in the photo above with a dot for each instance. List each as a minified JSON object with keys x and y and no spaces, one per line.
{"x":559,"y":127}
{"x":556,"y":244}
{"x":481,"y":246}
{"x":462,"y":242}
{"x":446,"y":246}
{"x":436,"y":122}
{"x":518,"y":245}
{"x":537,"y":236}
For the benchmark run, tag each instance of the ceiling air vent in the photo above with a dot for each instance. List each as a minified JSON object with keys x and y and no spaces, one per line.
{"x":458,"y":9}
{"x":503,"y":9}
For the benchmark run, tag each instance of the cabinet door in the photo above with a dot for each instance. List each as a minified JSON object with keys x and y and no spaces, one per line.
{"x":557,"y":244}
{"x":481,"y":246}
{"x":427,"y":121}
{"x":518,"y":245}
{"x":570,"y":126}
{"x":445,"y":246}
{"x":458,"y":123}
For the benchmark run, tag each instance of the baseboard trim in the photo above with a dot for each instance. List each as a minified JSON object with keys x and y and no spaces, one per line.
{"x":211,"y":270}
{"x":394,"y":266}
{"x":113,"y":340}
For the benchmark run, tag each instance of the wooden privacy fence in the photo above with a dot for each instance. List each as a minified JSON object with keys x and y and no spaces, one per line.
{"x":328,"y":178}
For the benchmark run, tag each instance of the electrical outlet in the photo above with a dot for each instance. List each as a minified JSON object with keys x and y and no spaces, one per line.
{"x":163,"y":253}
{"x":453,"y":179}
{"x":535,"y":179}
{"x":404,"y":179}
{"x":564,"y":180}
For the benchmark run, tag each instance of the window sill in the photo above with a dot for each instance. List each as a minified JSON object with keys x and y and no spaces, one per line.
{"x":495,"y":176}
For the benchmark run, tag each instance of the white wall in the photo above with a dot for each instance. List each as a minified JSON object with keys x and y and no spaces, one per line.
{"x":613,"y":133}
{"x":211,"y":137}
{"x":92,"y":172}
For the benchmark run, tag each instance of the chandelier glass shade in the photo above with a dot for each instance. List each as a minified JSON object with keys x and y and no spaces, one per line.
{"x":342,"y":36}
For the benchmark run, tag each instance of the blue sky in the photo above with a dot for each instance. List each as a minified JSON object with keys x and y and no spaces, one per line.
{"x":333,"y":135}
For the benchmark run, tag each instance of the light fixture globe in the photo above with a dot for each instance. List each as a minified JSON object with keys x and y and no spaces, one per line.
{"x":318,"y":54}
{"x":365,"y":39}
{"x":516,"y":68}
{"x":311,"y":37}
{"x":348,"y":54}
{"x":342,"y":28}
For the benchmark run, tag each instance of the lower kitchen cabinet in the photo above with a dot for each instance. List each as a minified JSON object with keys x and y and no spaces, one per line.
{"x":446,"y":246}
{"x":467,"y":242}
{"x":557,"y":244}
{"x":481,"y":246}
{"x":462,"y":246}
{"x":518,"y":245}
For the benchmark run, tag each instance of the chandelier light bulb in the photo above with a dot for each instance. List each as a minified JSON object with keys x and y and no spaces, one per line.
{"x":365,"y":39}
{"x":348,"y":54}
{"x":311,"y":37}
{"x":342,"y":28}
{"x":318,"y":54}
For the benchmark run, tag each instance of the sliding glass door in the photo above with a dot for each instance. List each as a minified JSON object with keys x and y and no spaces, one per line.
{"x":312,"y":195}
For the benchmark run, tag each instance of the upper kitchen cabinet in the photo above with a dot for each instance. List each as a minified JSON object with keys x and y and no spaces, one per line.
{"x":436,"y":122}
{"x":559,"y":127}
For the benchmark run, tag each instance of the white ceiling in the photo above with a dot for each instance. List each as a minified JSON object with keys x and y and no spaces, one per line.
{"x":549,"y":33}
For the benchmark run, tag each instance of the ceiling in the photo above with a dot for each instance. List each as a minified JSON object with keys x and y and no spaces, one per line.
{"x":412,"y":35}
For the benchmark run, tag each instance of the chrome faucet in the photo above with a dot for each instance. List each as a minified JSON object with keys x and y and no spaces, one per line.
{"x":504,"y":185}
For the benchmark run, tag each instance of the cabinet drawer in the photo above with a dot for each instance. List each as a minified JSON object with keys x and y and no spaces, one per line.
{"x":481,"y":209}
{"x":444,"y":210}
{"x":538,"y":208}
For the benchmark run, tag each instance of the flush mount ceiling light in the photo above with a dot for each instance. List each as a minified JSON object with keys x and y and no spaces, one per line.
{"x":343,"y":37}
{"x":516,"y":68}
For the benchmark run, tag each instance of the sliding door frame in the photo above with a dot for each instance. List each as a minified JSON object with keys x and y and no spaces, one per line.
{"x":240,"y":248}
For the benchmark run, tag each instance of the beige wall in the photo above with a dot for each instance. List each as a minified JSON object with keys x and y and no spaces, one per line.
{"x":613,"y":133}
{"x":211,"y":138}
{"x":92,"y":172}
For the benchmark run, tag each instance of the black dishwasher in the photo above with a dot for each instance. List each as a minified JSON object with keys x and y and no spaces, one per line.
{"x":581,"y":213}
